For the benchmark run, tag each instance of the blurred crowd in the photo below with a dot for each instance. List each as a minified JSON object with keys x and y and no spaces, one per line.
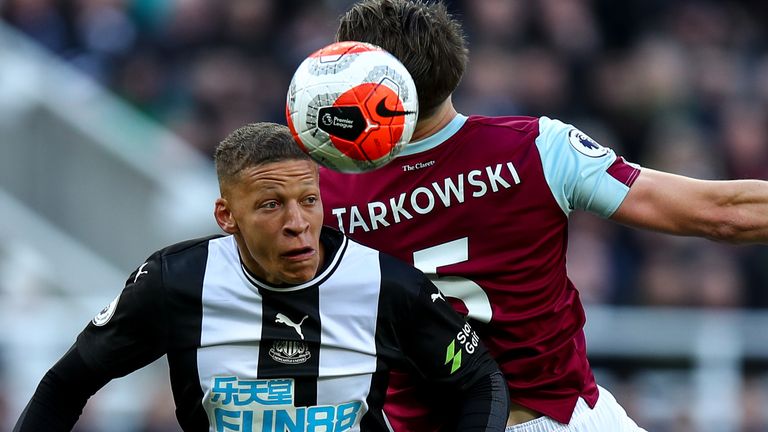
{"x":680,"y":86}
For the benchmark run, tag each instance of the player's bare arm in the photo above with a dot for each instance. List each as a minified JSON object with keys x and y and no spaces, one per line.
{"x":734,"y":211}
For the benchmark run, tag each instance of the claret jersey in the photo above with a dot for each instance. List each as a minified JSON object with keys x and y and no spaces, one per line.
{"x":248,"y":356}
{"x":482,"y":207}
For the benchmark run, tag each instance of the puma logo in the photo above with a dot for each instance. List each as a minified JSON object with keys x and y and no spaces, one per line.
{"x":439,"y":295}
{"x":140,"y":272}
{"x":282,"y":319}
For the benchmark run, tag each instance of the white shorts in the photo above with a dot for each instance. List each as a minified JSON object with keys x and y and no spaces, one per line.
{"x":607,"y":416}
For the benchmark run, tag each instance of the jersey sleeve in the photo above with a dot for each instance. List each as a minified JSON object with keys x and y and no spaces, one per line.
{"x":449,"y":355}
{"x":438,"y":342}
{"x":130,"y":332}
{"x":581,"y":173}
{"x":61,"y":395}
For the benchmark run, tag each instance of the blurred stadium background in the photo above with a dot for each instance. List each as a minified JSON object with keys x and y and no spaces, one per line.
{"x":110,"y":109}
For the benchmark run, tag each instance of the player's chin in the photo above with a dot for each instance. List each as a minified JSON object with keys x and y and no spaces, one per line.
{"x":298,"y":272}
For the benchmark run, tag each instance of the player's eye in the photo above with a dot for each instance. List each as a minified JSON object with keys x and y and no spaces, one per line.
{"x":270,"y":205}
{"x":311,"y":200}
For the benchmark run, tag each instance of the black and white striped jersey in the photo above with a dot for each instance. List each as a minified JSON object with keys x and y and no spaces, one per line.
{"x":247,"y":356}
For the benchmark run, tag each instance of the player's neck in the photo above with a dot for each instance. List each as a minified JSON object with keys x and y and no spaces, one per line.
{"x":429,"y":126}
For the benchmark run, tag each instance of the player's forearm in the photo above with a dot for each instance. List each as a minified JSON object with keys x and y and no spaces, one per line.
{"x":486,"y":405}
{"x":52,"y":407}
{"x":743,"y":212}
{"x":734,"y":211}
{"x":60,"y":396}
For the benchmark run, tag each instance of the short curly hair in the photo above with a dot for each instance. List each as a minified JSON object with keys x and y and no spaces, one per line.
{"x":422,"y":35}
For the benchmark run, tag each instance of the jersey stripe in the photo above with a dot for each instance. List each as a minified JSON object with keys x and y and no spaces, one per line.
{"x":290,"y":340}
{"x":227,"y":328}
{"x":183,"y":362}
{"x":349,"y":334}
{"x":623,"y":171}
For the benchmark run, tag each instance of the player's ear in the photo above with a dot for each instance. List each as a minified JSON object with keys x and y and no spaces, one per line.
{"x":224,"y":216}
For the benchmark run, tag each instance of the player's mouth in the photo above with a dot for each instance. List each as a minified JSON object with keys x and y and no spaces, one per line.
{"x":299,"y":254}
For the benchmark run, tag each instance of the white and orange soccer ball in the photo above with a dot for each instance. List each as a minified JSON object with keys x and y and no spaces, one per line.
{"x":352,"y":106}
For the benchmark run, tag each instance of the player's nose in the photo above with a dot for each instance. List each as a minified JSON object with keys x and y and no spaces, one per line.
{"x":295,"y":220}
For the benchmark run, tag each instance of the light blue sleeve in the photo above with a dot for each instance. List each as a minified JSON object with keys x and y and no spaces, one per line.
{"x":575,"y":168}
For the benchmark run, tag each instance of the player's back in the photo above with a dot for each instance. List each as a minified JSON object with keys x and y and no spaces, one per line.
{"x":478,"y":212}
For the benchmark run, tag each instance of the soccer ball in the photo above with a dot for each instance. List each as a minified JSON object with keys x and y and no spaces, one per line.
{"x":352,"y":106}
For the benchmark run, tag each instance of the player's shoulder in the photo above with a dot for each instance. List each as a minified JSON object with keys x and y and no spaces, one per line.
{"x":187,"y":246}
{"x":539,"y":125}
{"x":511,"y":123}
{"x":556,"y":135}
{"x":392,"y":269}
{"x":187,"y":252}
{"x":177,"y":264}
{"x":501,"y":132}
{"x":399,"y":276}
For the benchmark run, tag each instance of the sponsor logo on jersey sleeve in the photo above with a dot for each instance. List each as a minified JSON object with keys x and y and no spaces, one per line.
{"x":453,"y":356}
{"x":254,"y":405}
{"x":466,"y":340}
{"x":586,"y":145}
{"x":105,"y":315}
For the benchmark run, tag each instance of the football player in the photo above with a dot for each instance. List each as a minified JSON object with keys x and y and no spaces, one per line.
{"x":481,"y":204}
{"x":282,"y":324}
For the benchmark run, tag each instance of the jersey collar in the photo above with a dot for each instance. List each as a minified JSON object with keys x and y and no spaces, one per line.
{"x":436,"y":139}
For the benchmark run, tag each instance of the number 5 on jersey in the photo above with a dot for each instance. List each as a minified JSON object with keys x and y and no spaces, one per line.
{"x":456,"y":251}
